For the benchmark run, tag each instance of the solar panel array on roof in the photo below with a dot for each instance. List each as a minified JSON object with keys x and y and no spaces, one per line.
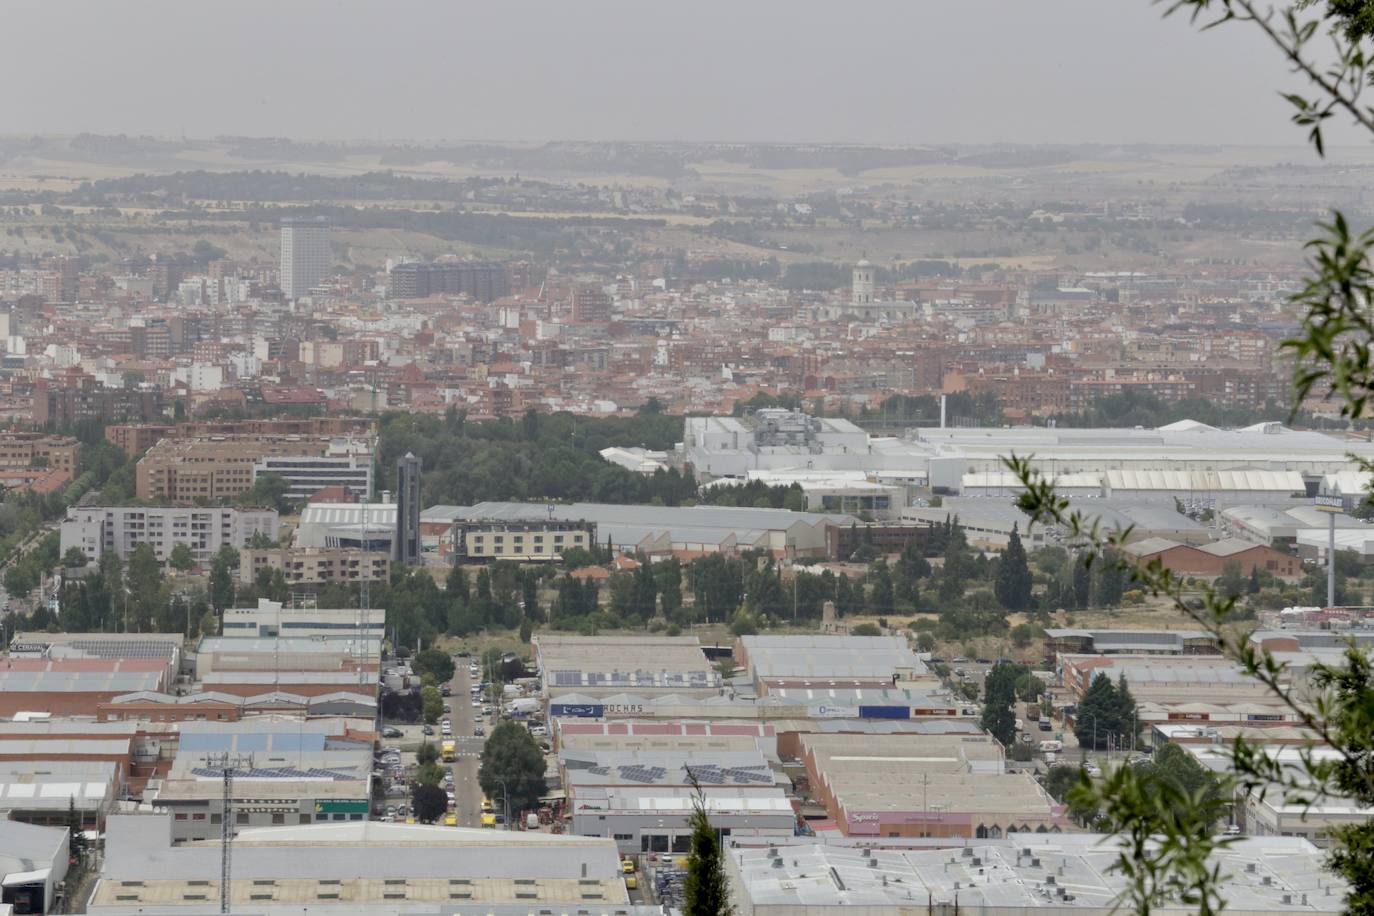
{"x":709,"y":773}
{"x":646,"y":774}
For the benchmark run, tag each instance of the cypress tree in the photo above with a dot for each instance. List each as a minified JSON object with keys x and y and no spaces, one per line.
{"x":706,"y":889}
{"x":1013,"y":585}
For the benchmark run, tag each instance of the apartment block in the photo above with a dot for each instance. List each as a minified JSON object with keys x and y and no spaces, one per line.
{"x":97,"y":530}
{"x":222,"y":467}
{"x":314,"y":566}
{"x":476,"y":541}
{"x":27,"y":450}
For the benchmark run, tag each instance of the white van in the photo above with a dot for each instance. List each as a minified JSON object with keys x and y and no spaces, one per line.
{"x":1047,"y":747}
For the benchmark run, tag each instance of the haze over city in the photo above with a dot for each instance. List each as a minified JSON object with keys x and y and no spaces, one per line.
{"x":986,"y":71}
{"x":717,"y":459}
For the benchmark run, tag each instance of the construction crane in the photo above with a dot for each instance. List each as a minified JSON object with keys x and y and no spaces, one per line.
{"x":227,"y":764}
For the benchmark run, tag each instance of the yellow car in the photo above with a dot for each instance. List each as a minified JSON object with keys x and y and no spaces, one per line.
{"x":450,"y":820}
{"x":489,"y":821}
{"x":627,"y":866}
{"x":631,"y":882}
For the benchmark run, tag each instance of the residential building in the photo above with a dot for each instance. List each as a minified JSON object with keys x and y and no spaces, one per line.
{"x":480,"y":281}
{"x":476,"y":541}
{"x":96,"y":530}
{"x":30,"y":450}
{"x":306,"y":257}
{"x":311,"y":567}
{"x":215,"y":468}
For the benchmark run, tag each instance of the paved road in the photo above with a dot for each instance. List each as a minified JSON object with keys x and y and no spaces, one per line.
{"x":463,"y":718}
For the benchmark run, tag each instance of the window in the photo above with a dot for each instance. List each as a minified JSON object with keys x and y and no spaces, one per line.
{"x":216,"y":818}
{"x":624,"y":837}
{"x":241,"y":817}
{"x":198,"y":817}
{"x":278,"y":818}
{"x":181,"y":815}
{"x":682,"y":843}
{"x":304,"y":819}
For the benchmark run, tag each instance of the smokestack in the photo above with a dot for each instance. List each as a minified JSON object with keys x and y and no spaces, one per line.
{"x":943,"y":398}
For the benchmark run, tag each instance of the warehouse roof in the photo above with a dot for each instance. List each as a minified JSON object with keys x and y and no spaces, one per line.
{"x":820,"y":657}
{"x":55,"y":784}
{"x":623,"y":661}
{"x":28,"y":847}
{"x":1193,"y":481}
{"x":718,"y":799}
{"x":739,"y":518}
{"x":1257,"y":875}
{"x":652,"y":767}
{"x":359,"y":867}
{"x":291,"y":645}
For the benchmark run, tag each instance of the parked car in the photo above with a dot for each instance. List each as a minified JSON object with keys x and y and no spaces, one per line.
{"x":427,"y":730}
{"x":391,"y":731}
{"x":479,"y":732}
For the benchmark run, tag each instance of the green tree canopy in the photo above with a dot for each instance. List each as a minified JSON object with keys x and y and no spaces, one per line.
{"x":512,"y":760}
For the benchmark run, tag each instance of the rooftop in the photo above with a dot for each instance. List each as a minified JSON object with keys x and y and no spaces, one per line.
{"x":358,"y":866}
{"x":1030,"y":871}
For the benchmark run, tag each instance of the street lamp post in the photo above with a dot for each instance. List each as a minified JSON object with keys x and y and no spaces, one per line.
{"x":1094,"y":718}
{"x":505,"y":799}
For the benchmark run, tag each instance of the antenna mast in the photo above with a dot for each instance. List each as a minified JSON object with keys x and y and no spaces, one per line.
{"x":227,"y":764}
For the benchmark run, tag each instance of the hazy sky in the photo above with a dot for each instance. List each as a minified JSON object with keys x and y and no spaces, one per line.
{"x":906,"y":71}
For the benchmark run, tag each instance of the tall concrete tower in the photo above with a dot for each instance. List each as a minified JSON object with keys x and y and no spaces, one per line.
{"x":305,"y":256}
{"x":862,"y":293}
{"x":405,"y":546}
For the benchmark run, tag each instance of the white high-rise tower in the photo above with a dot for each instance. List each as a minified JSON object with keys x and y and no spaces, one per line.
{"x":862,"y":293}
{"x":305,"y":256}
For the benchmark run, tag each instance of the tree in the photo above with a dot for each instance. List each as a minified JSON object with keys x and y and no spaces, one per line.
{"x":269,"y":491}
{"x":1029,"y":688}
{"x":999,"y":691}
{"x":428,"y":802}
{"x":1022,"y":634}
{"x":512,"y":762}
{"x":881,"y":599}
{"x":1013,"y":585}
{"x":222,"y":578}
{"x":865,"y":629}
{"x":76,"y":835}
{"x":1082,"y":581}
{"x":74,"y":558}
{"x":433,"y":661}
{"x":1111,"y":579}
{"x":706,"y":888}
{"x":426,"y":753}
{"x":925,"y":642}
{"x":433,"y":704}
{"x":1124,"y":712}
{"x":1097,"y":714}
{"x":181,"y":558}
